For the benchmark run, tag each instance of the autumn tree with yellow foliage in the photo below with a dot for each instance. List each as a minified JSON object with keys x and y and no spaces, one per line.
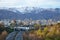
{"x":49,"y":32}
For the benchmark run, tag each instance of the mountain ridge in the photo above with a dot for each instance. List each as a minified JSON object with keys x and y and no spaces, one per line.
{"x":35,"y":13}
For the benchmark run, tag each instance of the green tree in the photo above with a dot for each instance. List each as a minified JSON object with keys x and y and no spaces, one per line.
{"x":37,"y":26}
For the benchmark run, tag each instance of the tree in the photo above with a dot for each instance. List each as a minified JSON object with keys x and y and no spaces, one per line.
{"x":13,"y":24}
{"x":37,"y":26}
{"x":1,"y":24}
{"x":45,"y":31}
{"x":21,"y":23}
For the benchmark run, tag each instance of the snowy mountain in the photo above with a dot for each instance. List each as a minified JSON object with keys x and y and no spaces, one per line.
{"x":34,"y":13}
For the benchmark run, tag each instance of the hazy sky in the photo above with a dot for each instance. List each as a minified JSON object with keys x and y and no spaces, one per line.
{"x":30,"y":3}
